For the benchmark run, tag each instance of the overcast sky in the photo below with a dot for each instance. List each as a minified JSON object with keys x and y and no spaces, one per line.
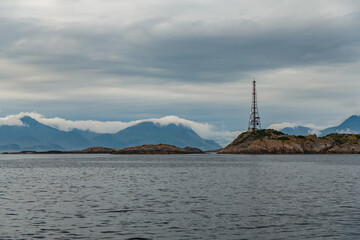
{"x":123,"y":60}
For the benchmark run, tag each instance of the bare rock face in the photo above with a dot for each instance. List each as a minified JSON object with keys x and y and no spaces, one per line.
{"x":270,"y":141}
{"x":157,"y":149}
{"x":192,"y":150}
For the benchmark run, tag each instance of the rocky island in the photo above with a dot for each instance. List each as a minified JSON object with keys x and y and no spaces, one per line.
{"x":157,"y":149}
{"x":143,"y":149}
{"x":270,"y":141}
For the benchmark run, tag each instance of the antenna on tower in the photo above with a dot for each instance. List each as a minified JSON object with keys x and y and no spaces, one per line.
{"x":254,"y":122}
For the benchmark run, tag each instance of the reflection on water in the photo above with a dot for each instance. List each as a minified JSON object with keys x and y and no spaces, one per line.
{"x":179,"y":197}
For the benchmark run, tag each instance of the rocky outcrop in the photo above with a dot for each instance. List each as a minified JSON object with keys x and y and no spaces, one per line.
{"x":97,"y":150}
{"x":274,"y":142}
{"x":157,"y":149}
{"x":193,"y":150}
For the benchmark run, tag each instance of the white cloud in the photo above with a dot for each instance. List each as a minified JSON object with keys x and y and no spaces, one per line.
{"x":314,"y":129}
{"x":11,"y":120}
{"x":279,"y":126}
{"x":348,"y":130}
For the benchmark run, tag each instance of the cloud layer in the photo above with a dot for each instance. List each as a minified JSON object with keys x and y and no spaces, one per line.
{"x":146,"y":59}
{"x":204,"y":42}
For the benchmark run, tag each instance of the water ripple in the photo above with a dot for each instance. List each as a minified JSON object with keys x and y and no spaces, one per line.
{"x":179,"y":197}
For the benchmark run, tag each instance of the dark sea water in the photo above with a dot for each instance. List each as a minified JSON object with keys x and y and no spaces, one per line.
{"x":180,"y":197}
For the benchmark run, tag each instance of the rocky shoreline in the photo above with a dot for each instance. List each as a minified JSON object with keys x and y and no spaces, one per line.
{"x":270,"y":141}
{"x":143,"y":149}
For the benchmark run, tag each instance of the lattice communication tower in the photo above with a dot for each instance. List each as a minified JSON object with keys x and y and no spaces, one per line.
{"x":254,"y":122}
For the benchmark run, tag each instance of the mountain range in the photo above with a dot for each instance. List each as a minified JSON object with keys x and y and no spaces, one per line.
{"x":350,"y":125}
{"x":35,"y":136}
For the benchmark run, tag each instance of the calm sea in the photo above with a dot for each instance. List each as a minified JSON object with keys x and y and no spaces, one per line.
{"x":179,"y":197}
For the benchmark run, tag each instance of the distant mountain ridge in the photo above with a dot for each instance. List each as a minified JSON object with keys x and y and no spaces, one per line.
{"x":350,"y":125}
{"x":34,"y":135}
{"x":297,"y":131}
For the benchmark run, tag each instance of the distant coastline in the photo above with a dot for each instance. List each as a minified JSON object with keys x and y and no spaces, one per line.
{"x":266,"y":141}
{"x":143,"y":149}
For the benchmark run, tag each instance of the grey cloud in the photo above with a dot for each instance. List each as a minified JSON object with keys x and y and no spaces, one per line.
{"x":73,"y":60}
{"x":140,"y":49}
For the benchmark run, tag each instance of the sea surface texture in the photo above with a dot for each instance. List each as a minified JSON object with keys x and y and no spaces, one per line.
{"x":180,"y":197}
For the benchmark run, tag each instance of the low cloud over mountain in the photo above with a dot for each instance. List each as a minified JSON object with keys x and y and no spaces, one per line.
{"x":180,"y":131}
{"x":350,"y":125}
